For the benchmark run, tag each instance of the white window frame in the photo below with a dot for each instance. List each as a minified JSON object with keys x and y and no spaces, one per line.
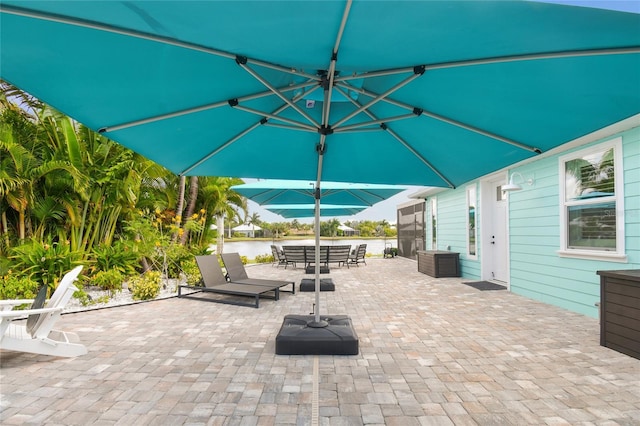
{"x":468,"y":190}
{"x":608,"y":255}
{"x":433,"y":206}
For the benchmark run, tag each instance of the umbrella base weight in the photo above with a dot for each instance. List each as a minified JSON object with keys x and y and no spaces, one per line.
{"x":309,"y":284}
{"x":312,"y":270}
{"x":297,"y":337}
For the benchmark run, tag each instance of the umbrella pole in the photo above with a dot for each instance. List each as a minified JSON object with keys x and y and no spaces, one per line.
{"x":317,"y":322}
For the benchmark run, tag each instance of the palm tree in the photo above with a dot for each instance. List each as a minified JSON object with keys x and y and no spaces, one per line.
{"x":219,"y":201}
{"x":191,"y":208}
{"x":27,"y":165}
{"x":254,"y":219}
{"x":180,"y":207}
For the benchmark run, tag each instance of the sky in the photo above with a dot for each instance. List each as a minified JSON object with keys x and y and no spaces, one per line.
{"x":383,"y":210}
{"x":619,"y":5}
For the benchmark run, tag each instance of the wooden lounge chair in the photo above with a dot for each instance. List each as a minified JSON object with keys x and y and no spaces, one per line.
{"x":215,"y":282}
{"x":238,"y":274}
{"x":36,"y":335}
{"x":358,"y":255}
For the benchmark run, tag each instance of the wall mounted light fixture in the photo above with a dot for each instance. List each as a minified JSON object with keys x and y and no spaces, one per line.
{"x":513,"y":186}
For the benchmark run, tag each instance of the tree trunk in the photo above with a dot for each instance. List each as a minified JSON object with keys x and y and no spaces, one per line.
{"x":21,"y":226}
{"x":193,"y":197}
{"x":180,"y":206}
{"x":5,"y":229}
{"x":220,"y":237}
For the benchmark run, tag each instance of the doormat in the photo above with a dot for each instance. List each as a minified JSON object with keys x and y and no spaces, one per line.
{"x":485,"y":285}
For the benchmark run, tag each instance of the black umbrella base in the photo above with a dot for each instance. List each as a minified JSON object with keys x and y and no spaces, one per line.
{"x":309,"y":284}
{"x":312,"y":269}
{"x":300,"y":335}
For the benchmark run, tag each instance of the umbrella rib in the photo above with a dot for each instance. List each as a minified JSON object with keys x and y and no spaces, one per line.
{"x":355,"y":195}
{"x":112,"y":29}
{"x":497,"y":59}
{"x":406,"y":145}
{"x":373,"y":122}
{"x":276,"y":117}
{"x":296,"y":128}
{"x":420,"y":157}
{"x":381,"y":73}
{"x":242,"y":61}
{"x":306,"y":193}
{"x":235,"y":138}
{"x":144,"y":36}
{"x":420,"y":111}
{"x":232,"y":140}
{"x":198,"y":109}
{"x":418,"y":72}
{"x":220,"y":148}
{"x":537,"y":56}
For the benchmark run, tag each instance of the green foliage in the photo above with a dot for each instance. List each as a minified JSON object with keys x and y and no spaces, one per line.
{"x":146,"y":234}
{"x":191,"y":272}
{"x":15,"y":287}
{"x":109,"y":280}
{"x":329,"y":228}
{"x":176,"y":255}
{"x":117,"y":256}
{"x":244,"y":259}
{"x":85,"y":299}
{"x":264,"y":258}
{"x":145,"y":286}
{"x":44,"y":262}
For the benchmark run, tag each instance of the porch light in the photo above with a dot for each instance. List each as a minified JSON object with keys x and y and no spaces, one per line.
{"x":513,"y":186}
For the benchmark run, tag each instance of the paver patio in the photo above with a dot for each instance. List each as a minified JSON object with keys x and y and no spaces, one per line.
{"x":432,"y":352}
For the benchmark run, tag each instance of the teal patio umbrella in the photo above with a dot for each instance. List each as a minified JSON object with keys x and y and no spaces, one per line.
{"x":431,"y":93}
{"x":290,"y":211}
{"x":276,"y":191}
{"x":428,"y":93}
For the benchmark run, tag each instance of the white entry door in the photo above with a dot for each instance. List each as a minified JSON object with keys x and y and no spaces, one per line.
{"x":494,"y":241}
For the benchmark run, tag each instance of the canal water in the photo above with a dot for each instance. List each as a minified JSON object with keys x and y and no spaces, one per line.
{"x":251,"y":249}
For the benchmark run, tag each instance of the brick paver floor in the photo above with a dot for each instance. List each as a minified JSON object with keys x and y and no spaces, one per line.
{"x":432,"y":352}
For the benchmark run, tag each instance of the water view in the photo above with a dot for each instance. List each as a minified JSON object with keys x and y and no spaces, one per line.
{"x":251,"y":249}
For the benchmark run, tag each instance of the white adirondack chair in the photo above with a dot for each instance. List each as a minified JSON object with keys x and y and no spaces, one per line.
{"x":41,"y":338}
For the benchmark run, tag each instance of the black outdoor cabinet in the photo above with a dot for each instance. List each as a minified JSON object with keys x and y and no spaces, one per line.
{"x":438,"y":264}
{"x":620,"y":311}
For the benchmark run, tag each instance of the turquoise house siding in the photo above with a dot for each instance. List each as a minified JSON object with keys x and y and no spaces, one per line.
{"x":536,"y":269}
{"x":452,"y":231}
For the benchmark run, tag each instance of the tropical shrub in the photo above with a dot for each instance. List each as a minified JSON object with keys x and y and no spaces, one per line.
{"x":15,"y":287}
{"x":145,"y":286}
{"x":244,"y":260}
{"x":46,"y":262}
{"x":264,"y":258}
{"x":108,"y":280}
{"x":191,"y":272}
{"x":176,"y":255}
{"x":85,"y":299}
{"x":117,"y":256}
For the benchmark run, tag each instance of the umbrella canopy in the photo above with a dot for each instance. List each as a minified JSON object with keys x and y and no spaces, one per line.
{"x":425,"y":93}
{"x":276,"y":191}
{"x":289,"y":211}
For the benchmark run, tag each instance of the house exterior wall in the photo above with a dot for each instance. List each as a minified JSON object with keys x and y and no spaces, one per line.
{"x":452,"y":232}
{"x":536,"y":269}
